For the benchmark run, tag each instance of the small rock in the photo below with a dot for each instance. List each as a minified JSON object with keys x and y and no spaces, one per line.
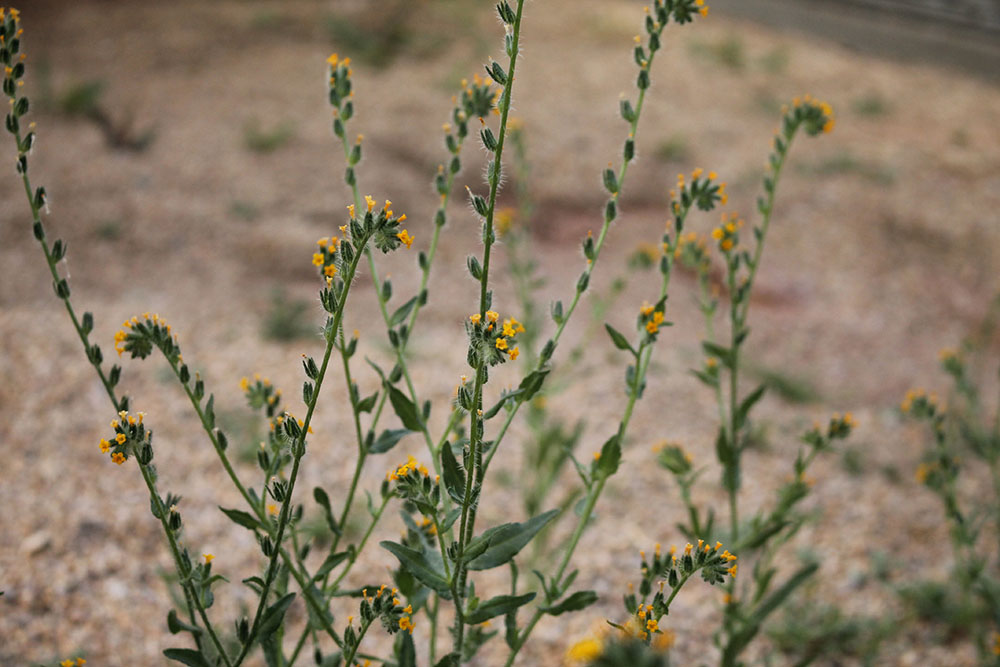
{"x":37,"y":542}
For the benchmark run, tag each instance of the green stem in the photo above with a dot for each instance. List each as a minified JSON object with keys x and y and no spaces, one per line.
{"x":364,"y":541}
{"x":432,"y":613}
{"x":109,"y":389}
{"x":298,"y":449}
{"x":736,"y":325}
{"x":298,"y":646}
{"x":475,"y":469}
{"x":598,"y":246}
{"x":349,"y":658}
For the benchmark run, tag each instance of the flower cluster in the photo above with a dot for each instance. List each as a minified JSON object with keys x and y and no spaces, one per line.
{"x":671,"y":568}
{"x":385,"y":605}
{"x":261,"y":394}
{"x":68,"y":662}
{"x":383,"y":227}
{"x":921,"y":404}
{"x":837,"y":428}
{"x":651,"y":317}
{"x":702,"y":191}
{"x":13,"y":59}
{"x":727,"y":233}
{"x":408,"y":469}
{"x":325,"y":256}
{"x":815,"y":115}
{"x":491,"y":338}
{"x":130,"y":436}
{"x":693,"y":251}
{"x":138,"y":336}
{"x":624,"y":648}
{"x":414,"y":484}
{"x":673,"y":457}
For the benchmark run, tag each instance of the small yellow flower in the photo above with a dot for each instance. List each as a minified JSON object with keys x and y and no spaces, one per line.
{"x":405,"y":237}
{"x":370,"y":202}
{"x":208,"y":558}
{"x":118,"y":458}
{"x":105,"y":446}
{"x":492,"y":315}
{"x":244,"y":384}
{"x":585,"y":650}
{"x":272,"y":509}
{"x":475,"y":318}
{"x":501,"y":343}
{"x":513,"y":353}
{"x":318,"y":259}
{"x":330,"y":270}
{"x":120,"y":438}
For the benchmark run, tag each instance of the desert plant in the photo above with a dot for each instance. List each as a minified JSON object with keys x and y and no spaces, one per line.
{"x":443,"y":550}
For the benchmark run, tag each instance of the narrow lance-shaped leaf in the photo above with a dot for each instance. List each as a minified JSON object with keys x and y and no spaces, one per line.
{"x":497,"y":606}
{"x":187,"y":656}
{"x":619,"y":339}
{"x":504,"y":542}
{"x":244,"y":519}
{"x":405,"y":409}
{"x":574,"y":602}
{"x":418,"y":565}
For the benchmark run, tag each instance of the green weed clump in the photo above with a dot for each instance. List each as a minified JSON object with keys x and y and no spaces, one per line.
{"x":444,"y":549}
{"x":961,"y":466}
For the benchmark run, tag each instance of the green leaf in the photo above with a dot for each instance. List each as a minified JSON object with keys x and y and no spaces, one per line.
{"x":405,"y":409}
{"x":320,"y":496}
{"x":753,"y":624}
{"x":492,"y":412}
{"x":176,"y":625}
{"x":244,"y":519}
{"x":418,"y":565}
{"x":187,"y":656}
{"x":531,"y":383}
{"x":748,"y":402}
{"x":387,"y":440}
{"x":619,"y":339}
{"x":273,"y":616}
{"x":368,"y":403}
{"x":610,"y":458}
{"x":503,"y":542}
{"x":454,"y":476}
{"x":574,"y":602}
{"x":497,"y":606}
{"x":402,"y":312}
{"x":723,"y":354}
{"x":332,"y":561}
{"x":406,"y":652}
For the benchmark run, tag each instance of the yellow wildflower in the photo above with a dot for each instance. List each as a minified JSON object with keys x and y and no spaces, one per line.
{"x":105,"y":446}
{"x":118,"y":458}
{"x":120,"y":438}
{"x":513,"y":353}
{"x":585,"y":650}
{"x":208,"y":558}
{"x":501,"y":343}
{"x":405,"y":237}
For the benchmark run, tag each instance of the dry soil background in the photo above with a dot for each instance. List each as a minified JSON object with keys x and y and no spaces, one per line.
{"x":884,"y":249}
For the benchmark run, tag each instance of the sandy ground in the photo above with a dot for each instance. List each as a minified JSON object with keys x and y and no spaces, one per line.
{"x":884,"y":249}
